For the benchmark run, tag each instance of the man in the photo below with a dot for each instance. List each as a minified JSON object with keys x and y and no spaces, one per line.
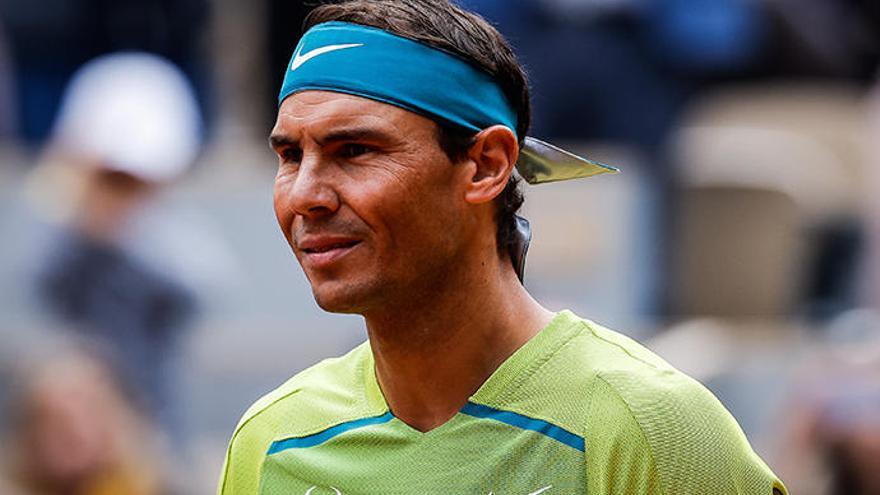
{"x":128,"y":128}
{"x":399,"y":126}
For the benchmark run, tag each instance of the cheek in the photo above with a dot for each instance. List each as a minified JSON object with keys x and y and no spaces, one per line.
{"x":281,"y":202}
{"x":414,"y":208}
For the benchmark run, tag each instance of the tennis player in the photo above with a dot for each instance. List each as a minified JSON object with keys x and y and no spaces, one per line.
{"x":399,"y":127}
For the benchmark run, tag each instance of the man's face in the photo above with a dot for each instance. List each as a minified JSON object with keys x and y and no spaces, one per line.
{"x":371,"y":205}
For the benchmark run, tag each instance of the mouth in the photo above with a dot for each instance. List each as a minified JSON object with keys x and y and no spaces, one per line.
{"x":319,"y":254}
{"x":325,"y":248}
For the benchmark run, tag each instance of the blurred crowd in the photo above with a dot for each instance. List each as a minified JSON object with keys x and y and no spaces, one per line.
{"x":147,"y":297}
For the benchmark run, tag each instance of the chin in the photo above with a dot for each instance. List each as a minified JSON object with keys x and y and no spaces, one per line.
{"x":333,"y":306}
{"x":340,"y":301}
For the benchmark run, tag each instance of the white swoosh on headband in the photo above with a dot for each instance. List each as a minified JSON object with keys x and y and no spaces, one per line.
{"x":300,"y":58}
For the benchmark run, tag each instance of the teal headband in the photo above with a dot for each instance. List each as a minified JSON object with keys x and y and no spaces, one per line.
{"x":375,"y":64}
{"x":370,"y":62}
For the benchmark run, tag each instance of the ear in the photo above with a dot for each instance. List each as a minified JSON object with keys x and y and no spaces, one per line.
{"x":494,"y":155}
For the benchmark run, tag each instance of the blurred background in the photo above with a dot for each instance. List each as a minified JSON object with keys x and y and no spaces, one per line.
{"x":147,"y":296}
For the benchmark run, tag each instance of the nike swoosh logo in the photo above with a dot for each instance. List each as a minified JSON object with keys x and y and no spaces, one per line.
{"x":300,"y":58}
{"x":542,"y":490}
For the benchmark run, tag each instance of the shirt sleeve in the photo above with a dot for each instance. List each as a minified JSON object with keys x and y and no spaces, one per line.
{"x":669,"y":436}
{"x":241,"y":468}
{"x":248,"y":447}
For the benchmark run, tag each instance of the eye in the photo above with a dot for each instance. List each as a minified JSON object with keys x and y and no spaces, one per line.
{"x":290,"y":155}
{"x":352,"y":150}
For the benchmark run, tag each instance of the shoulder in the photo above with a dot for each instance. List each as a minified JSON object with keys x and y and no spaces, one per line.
{"x":314,"y":399}
{"x":678,"y":434}
{"x":573,"y":367}
{"x":327,"y":388}
{"x":648,"y":428}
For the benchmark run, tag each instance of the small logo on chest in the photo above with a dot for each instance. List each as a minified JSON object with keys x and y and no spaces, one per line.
{"x":337,"y":492}
{"x":310,"y":490}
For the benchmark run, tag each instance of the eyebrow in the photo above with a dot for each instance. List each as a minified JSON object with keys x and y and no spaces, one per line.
{"x":351,"y":134}
{"x":279,"y":141}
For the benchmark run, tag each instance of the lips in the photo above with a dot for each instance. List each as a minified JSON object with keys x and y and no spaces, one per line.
{"x":323,"y":248}
{"x":323,"y":251}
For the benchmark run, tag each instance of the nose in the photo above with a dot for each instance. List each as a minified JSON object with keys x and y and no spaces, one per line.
{"x":312,"y":193}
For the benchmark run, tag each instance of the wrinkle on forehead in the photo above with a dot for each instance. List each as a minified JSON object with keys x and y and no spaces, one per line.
{"x":325,"y":109}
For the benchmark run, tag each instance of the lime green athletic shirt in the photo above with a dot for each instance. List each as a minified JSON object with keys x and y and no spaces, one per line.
{"x":579,"y":409}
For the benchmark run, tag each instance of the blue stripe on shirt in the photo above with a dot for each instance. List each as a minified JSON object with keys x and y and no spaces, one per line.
{"x":325,"y":435}
{"x":526,"y":423}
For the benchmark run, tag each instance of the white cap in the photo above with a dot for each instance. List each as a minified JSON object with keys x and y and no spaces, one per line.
{"x":134,"y":112}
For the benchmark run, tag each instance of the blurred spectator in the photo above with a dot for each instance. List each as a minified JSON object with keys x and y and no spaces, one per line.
{"x":75,"y":433}
{"x":831,"y":429}
{"x":50,"y":39}
{"x":129,"y":126}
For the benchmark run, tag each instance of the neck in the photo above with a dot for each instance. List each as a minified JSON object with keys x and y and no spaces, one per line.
{"x":433,"y":353}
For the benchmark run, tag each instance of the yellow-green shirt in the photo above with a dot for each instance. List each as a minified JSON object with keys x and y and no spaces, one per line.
{"x":579,"y":409}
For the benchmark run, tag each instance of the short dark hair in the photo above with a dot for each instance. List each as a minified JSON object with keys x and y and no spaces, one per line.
{"x":443,"y":25}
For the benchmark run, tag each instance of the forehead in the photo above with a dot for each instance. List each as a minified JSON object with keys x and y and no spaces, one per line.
{"x":313,"y":111}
